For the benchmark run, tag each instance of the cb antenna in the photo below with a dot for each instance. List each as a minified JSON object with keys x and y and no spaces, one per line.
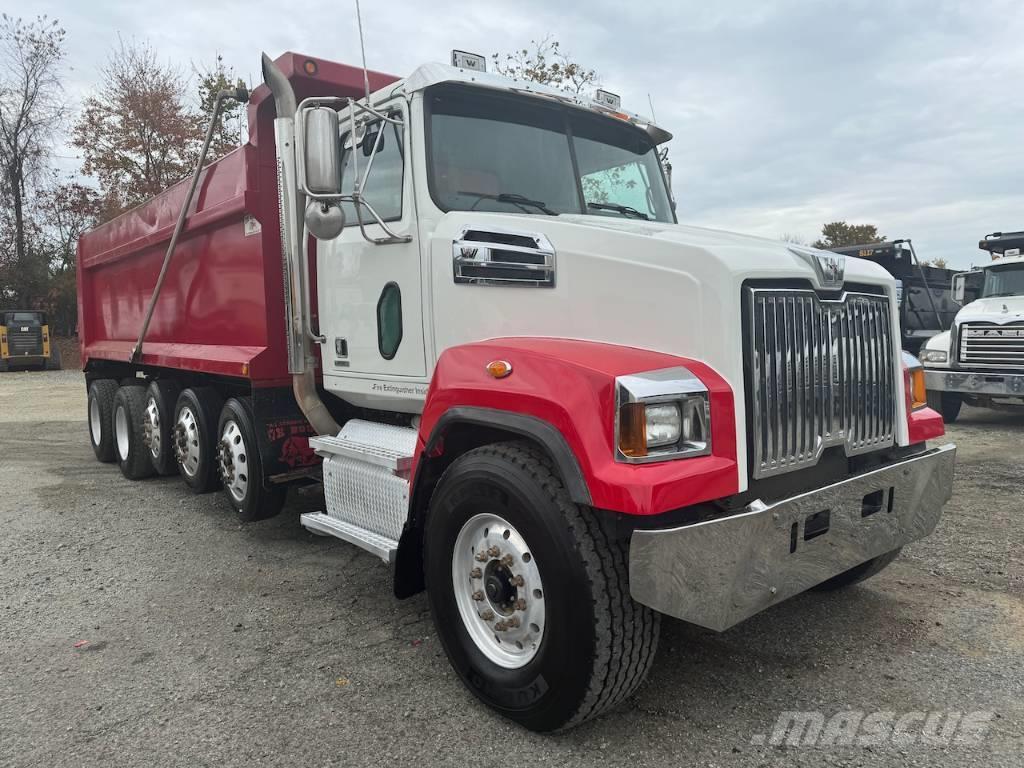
{"x":362,"y":47}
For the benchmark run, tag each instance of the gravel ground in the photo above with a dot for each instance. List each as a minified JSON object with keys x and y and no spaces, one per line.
{"x":141,"y":625}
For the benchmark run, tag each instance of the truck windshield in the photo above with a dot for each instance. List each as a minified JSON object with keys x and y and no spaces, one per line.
{"x":500,"y":152}
{"x":1004,"y":281}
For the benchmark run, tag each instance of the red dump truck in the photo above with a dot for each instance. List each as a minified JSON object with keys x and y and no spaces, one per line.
{"x":464,"y":304}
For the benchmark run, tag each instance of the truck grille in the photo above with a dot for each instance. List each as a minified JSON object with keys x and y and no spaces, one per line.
{"x":28,"y":342}
{"x":987,"y":345}
{"x":821,"y":373}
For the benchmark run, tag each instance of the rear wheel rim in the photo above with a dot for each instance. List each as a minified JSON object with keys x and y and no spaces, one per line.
{"x":234,"y":461}
{"x":186,"y":442}
{"x":121,"y":432}
{"x":498,"y":591}
{"x":153,"y":427}
{"x":95,"y":422}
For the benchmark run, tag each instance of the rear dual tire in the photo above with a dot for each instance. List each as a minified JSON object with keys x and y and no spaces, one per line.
{"x":194,"y":437}
{"x":240,"y":465}
{"x":131,"y":450}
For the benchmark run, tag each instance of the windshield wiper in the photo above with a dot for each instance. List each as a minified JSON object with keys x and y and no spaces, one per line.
{"x":520,"y":201}
{"x":625,"y":210}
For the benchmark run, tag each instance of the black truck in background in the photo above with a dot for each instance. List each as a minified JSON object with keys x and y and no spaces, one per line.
{"x":25,"y":341}
{"x":924,"y":293}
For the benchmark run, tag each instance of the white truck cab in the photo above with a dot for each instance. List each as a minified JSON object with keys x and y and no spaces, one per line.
{"x":980,"y":360}
{"x":561,"y":412}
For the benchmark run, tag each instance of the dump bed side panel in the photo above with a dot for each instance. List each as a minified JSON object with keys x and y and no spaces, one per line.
{"x":221,"y":309}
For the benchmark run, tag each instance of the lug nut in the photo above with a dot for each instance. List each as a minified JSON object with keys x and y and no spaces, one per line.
{"x":480,"y":556}
{"x":508,"y":561}
{"x":501,"y":626}
{"x":520,"y":604}
{"x":493,"y":552}
{"x":512,"y":622}
{"x":517,"y":581}
{"x":476,"y":573}
{"x":487,"y":614}
{"x":478,"y":595}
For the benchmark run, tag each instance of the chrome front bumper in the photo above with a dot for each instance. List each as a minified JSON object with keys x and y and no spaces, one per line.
{"x":965,"y":382}
{"x":720,"y":572}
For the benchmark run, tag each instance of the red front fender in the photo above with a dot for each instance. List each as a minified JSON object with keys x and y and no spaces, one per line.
{"x":570,"y":385}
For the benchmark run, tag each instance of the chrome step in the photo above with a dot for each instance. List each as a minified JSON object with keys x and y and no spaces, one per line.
{"x":366,"y":485}
{"x":325,"y":525}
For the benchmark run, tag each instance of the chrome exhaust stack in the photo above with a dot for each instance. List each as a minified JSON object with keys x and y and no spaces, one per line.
{"x":294,"y":255}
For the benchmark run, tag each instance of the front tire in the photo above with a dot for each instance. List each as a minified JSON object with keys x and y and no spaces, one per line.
{"x":946,"y":403}
{"x":241,"y":467}
{"x":53,"y":363}
{"x":129,"y":432}
{"x":581,"y":644}
{"x":195,"y":437}
{"x":100,"y":410}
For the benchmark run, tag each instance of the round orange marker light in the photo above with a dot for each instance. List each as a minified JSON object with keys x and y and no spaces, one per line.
{"x":309,"y":66}
{"x":499,"y":369}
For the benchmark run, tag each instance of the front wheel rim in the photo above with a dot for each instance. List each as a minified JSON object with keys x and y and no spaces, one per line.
{"x":498,"y":591}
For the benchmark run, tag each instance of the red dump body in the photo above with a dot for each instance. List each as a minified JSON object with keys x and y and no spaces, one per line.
{"x":221,"y":309}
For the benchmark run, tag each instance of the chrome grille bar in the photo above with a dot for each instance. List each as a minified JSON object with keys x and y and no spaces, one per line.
{"x":822,"y":373}
{"x":987,"y":345}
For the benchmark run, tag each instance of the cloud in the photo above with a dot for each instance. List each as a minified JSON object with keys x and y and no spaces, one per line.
{"x":786,"y":114}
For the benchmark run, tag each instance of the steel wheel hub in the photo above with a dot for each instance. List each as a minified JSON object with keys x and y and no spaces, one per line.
{"x":498,"y":590}
{"x":186,"y":442}
{"x":151,"y":428}
{"x":232,"y":461}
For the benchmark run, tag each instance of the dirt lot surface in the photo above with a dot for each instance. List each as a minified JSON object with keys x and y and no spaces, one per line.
{"x":143,"y":626}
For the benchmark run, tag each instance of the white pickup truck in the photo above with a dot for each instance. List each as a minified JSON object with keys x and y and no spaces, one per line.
{"x":980,"y":360}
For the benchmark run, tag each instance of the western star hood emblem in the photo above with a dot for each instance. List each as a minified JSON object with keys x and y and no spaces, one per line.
{"x":830,"y":267}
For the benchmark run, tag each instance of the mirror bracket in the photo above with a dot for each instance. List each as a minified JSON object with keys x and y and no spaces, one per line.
{"x":356,"y":197}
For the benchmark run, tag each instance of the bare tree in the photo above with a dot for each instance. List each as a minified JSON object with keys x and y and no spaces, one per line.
{"x":546,"y":63}
{"x":31,"y":110}
{"x":136,"y":132}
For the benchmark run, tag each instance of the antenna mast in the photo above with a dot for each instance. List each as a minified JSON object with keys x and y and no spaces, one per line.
{"x":362,"y":47}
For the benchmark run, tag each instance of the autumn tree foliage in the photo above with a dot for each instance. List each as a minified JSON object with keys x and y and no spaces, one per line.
{"x":136,"y":133}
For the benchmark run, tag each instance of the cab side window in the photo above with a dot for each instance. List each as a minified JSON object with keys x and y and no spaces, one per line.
{"x":383,"y":190}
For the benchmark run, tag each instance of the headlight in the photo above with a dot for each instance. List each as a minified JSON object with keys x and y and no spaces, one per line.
{"x":934,"y":356}
{"x":661,"y":415}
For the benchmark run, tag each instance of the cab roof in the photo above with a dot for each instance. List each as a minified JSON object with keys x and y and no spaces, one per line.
{"x":427,"y":75}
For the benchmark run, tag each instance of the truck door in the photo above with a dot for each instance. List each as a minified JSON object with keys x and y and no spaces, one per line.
{"x":370,"y":297}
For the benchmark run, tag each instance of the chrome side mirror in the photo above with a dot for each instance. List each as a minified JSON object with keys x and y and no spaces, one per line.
{"x":322,"y":151}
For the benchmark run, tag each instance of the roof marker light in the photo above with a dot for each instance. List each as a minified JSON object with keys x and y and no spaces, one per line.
{"x":607,"y":99}
{"x":471,"y":61}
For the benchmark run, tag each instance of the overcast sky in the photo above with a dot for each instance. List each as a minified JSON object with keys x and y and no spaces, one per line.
{"x":903,"y":113}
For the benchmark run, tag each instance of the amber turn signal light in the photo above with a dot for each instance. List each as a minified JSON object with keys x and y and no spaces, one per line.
{"x":633,"y":430}
{"x":499,"y":369}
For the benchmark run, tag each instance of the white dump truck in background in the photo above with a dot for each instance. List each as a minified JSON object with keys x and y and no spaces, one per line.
{"x":980,"y":360}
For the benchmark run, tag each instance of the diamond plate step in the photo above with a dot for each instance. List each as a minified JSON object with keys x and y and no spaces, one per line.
{"x":381,"y":445}
{"x":324,"y":525}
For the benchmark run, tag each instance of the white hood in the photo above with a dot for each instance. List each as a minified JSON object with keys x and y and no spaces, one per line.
{"x":999,"y":309}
